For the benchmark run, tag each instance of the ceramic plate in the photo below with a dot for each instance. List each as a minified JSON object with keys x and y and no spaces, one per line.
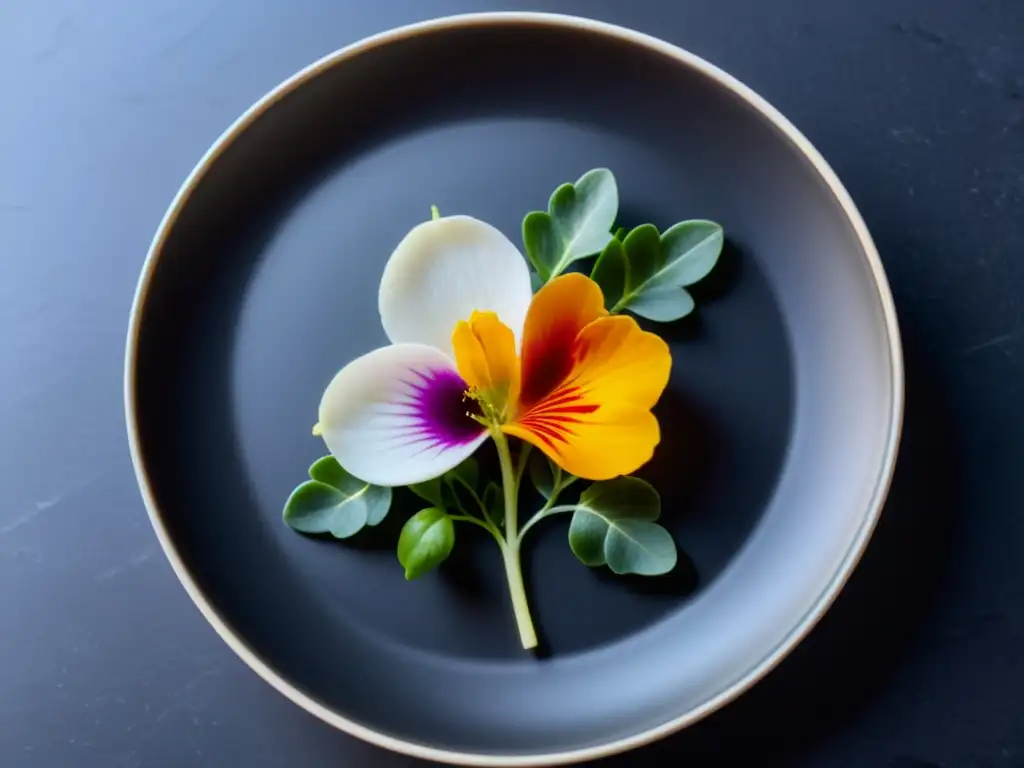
{"x":780,"y":424}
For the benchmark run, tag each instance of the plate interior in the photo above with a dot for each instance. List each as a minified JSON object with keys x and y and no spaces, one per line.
{"x":267,"y":285}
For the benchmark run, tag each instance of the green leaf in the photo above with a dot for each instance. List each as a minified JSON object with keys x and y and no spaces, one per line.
{"x":623,"y":497}
{"x":379,"y":505}
{"x":611,"y":273}
{"x":660,"y":266}
{"x":663,"y":304}
{"x":614,"y":525}
{"x":543,"y":474}
{"x":536,"y":281}
{"x":328,"y":470}
{"x":577,"y":223}
{"x":430,"y":490}
{"x":468,"y":472}
{"x":334,"y":501}
{"x":690,"y":250}
{"x":543,"y":244}
{"x":587,"y":533}
{"x":494,"y":503}
{"x":316,"y":507}
{"x":643,"y":251}
{"x":426,"y":540}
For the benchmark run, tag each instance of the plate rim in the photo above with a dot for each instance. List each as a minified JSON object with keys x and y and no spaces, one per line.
{"x":621,"y":34}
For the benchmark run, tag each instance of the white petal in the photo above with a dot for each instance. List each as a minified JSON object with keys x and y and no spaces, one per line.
{"x":396,"y":416}
{"x":442,"y":271}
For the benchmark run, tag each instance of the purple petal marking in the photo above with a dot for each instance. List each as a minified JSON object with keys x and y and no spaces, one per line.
{"x":439,"y":411}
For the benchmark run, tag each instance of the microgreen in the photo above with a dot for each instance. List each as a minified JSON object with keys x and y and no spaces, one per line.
{"x":577,"y":223}
{"x":647,"y":272}
{"x":333,"y":501}
{"x":613,"y":524}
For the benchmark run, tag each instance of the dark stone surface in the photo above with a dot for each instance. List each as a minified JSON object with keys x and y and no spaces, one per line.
{"x":918,"y":105}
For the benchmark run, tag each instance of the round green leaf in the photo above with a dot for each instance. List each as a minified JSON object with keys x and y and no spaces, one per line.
{"x":643,"y":252}
{"x":587,"y":533}
{"x":543,"y":244}
{"x":577,"y":223}
{"x":614,"y":525}
{"x":316,"y":507}
{"x":622,"y":498}
{"x":427,"y":538}
{"x":378,"y":503}
{"x":635,"y":546}
{"x":328,"y":470}
{"x":536,"y":281}
{"x":611,"y":273}
{"x":334,"y":501}
{"x":690,"y":250}
{"x":659,"y":266}
{"x":663,"y":304}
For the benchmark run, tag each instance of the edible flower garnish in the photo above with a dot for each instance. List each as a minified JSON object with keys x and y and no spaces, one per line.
{"x":485,"y":343}
{"x":474,"y":353}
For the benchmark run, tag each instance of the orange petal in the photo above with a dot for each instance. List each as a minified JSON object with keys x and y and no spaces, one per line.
{"x":485,"y":354}
{"x":597,"y":423}
{"x":557,"y":314}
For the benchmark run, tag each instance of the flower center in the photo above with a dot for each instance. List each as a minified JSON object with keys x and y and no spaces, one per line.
{"x":490,"y":405}
{"x":441,"y":410}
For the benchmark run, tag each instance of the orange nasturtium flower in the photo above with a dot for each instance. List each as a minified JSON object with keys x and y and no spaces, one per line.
{"x":474,"y":352}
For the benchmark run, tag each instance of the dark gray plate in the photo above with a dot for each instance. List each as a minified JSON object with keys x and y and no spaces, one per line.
{"x":780,"y":424}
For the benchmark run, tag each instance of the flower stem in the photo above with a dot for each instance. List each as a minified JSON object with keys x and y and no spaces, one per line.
{"x":508,"y":483}
{"x":517,"y":590}
{"x":510,"y":549}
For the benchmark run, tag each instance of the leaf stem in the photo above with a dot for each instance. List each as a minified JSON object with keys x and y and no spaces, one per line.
{"x":476,"y":497}
{"x":622,"y":303}
{"x":546,"y":511}
{"x":562,"y":480}
{"x":524,"y":455}
{"x":510,"y":548}
{"x":483,"y":524}
{"x":458,"y":504}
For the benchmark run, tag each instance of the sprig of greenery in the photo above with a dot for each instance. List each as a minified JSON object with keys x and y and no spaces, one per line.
{"x":614,"y":522}
{"x":333,"y":501}
{"x":647,"y":272}
{"x":429,"y":535}
{"x":613,"y":525}
{"x":639,"y":270}
{"x":576,"y":225}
